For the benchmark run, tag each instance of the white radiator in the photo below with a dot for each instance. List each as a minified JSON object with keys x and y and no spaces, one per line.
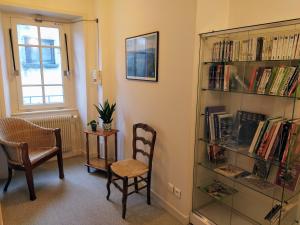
{"x":70,"y":129}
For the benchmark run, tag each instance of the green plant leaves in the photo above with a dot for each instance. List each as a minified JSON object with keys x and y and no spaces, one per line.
{"x":106,"y":111}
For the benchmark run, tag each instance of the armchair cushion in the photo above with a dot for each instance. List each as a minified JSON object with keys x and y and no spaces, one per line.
{"x":129,"y":168}
{"x":36,"y":154}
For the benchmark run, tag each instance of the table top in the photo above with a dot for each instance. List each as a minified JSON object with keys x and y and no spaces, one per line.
{"x":101,"y":132}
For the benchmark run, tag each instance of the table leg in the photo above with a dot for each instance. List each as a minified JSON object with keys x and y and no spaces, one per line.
{"x":116,"y":147}
{"x":105,"y":151}
{"x":87,"y":152}
{"x":98,"y":148}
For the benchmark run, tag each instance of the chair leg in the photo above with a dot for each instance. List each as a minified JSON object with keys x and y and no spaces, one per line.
{"x":125,"y":194}
{"x":60,"y":164}
{"x":8,"y":179}
{"x":29,"y":178}
{"x":136,"y":185}
{"x":149,"y":189}
{"x":109,"y":177}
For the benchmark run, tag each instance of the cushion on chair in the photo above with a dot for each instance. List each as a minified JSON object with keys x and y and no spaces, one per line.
{"x":35,"y":154}
{"x":129,"y":168}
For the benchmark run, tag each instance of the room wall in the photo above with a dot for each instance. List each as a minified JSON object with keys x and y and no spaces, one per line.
{"x":165,"y":105}
{"x":243,"y":13}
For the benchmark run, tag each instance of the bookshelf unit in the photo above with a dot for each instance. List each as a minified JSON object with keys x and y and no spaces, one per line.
{"x":247,"y":145}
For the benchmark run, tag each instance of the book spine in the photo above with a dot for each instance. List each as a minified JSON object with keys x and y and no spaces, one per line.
{"x":287,"y":80}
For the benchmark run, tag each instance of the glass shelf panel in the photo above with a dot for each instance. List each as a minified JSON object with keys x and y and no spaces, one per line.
{"x":250,"y":93}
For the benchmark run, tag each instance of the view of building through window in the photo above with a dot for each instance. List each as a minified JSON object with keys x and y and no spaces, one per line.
{"x":40,"y":65}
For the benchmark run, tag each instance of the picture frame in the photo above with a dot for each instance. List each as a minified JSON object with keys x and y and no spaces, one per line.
{"x":142,"y":57}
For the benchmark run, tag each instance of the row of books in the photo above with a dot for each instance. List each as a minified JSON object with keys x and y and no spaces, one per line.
{"x":223,"y":126}
{"x":275,"y":47}
{"x":277,"y":80}
{"x":277,"y":139}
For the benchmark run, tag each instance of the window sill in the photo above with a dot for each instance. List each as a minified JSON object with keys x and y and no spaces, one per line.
{"x":51,"y":112}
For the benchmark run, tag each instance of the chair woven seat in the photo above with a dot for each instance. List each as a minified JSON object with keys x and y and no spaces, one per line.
{"x":36,"y":154}
{"x":129,"y":168}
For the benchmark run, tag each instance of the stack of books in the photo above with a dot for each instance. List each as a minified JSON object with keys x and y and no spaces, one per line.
{"x":269,"y":47}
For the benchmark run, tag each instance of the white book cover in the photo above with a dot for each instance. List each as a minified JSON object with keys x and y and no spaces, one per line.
{"x":297,"y":51}
{"x":279,"y":47}
{"x":290,"y":46}
{"x":274,"y":47}
{"x":294,"y":46}
{"x":264,"y":50}
{"x":269,"y":53}
{"x":256,"y":135}
{"x":285,"y":47}
{"x":254,"y":46}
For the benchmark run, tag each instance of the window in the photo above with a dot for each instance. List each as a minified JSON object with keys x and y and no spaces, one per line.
{"x":40,"y":64}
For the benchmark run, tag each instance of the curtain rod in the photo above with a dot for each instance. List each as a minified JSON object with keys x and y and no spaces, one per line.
{"x":39,"y":19}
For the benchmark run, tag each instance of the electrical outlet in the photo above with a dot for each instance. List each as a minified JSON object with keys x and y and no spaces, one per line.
{"x":177,"y":192}
{"x":171,"y":187}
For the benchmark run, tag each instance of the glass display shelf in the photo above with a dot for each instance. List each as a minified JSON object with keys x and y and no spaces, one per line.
{"x":254,"y":61}
{"x":270,"y":190}
{"x":250,"y":93}
{"x":242,"y":150}
{"x":210,"y":209}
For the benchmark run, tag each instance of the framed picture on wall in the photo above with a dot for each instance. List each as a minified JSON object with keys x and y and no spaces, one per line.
{"x":142,"y":57}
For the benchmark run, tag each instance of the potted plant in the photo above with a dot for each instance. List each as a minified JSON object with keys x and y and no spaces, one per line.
{"x":105,"y":114}
{"x":93,"y":124}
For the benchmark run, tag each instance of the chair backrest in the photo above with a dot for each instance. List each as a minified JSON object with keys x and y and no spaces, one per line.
{"x":20,"y":130}
{"x":145,"y":141}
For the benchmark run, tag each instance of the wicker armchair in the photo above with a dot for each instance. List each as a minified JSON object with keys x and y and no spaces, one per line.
{"x":27,"y":146}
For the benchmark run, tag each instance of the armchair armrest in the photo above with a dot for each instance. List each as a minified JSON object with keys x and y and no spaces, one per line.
{"x":16,"y":152}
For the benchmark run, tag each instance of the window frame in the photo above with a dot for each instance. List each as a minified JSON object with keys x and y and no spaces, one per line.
{"x":65,"y":80}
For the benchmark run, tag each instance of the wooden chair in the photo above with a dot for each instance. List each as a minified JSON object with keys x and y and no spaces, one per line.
{"x":27,"y":146}
{"x":133,"y":168}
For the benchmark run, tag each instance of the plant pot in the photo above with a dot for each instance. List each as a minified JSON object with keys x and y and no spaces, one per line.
{"x":94,"y":127}
{"x":106,"y":126}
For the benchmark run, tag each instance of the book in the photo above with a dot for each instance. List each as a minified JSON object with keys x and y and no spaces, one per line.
{"x":245,"y":126}
{"x":216,"y":153}
{"x":208,"y":111}
{"x":252,"y":79}
{"x":215,"y":123}
{"x":274,"y":48}
{"x":264,"y":80}
{"x":267,"y":136}
{"x":271,"y":79}
{"x":255,"y":138}
{"x":289,"y":179}
{"x":288,"y":75}
{"x":259,"y":48}
{"x":273,"y":212}
{"x":229,"y":170}
{"x":277,"y":81}
{"x":272,"y":139}
{"x":225,"y":122}
{"x":261,"y":168}
{"x":219,"y":190}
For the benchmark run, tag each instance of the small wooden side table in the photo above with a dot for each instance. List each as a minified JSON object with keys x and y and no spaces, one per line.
{"x":98,"y":162}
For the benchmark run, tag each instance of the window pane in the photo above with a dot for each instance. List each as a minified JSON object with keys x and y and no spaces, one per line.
{"x":32,"y":95}
{"x":52,"y":65}
{"x":49,"y":36}
{"x":27,"y":34}
{"x":54,"y":94}
{"x":30,"y":65}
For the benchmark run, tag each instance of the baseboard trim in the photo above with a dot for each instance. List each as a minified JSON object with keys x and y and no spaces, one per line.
{"x":184,"y":219}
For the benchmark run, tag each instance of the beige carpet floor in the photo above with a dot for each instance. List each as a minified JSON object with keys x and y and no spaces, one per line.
{"x":79,"y":199}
